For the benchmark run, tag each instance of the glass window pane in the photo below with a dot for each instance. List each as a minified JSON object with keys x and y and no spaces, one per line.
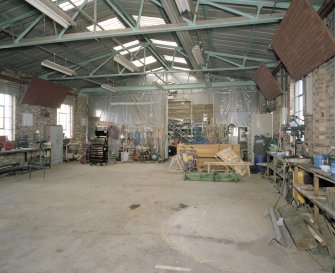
{"x":8,"y":123}
{"x":8,"y":100}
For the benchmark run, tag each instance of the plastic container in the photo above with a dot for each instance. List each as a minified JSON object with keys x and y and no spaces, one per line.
{"x":124,"y":156}
{"x":332,"y":169}
{"x":318,"y":160}
{"x":259,"y":159}
{"x":325,"y":168}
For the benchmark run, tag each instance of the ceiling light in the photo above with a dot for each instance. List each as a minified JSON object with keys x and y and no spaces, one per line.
{"x":124,"y":62}
{"x":108,"y":87}
{"x":198,"y":55}
{"x":58,"y":67}
{"x":52,"y":11}
{"x":184,"y":5}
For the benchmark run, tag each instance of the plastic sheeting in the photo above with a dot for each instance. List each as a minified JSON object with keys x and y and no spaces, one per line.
{"x":235,"y":105}
{"x":137,"y":118}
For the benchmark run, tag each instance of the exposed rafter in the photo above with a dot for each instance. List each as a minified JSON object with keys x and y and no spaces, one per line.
{"x":204,"y":24}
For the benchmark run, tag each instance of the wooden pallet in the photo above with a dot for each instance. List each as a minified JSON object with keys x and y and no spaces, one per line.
{"x":229,"y":156}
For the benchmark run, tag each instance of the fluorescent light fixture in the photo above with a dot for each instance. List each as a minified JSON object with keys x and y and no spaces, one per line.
{"x":184,"y":5}
{"x":58,"y":67}
{"x":124,"y":62}
{"x":108,"y":87}
{"x":198,"y":55}
{"x":52,"y":11}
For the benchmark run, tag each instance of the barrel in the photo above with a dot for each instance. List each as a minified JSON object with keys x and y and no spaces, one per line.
{"x":259,"y":159}
{"x":318,"y":160}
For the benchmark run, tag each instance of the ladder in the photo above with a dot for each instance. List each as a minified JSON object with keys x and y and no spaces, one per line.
{"x":179,"y":132}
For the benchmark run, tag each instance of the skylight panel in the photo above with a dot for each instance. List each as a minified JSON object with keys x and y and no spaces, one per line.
{"x":67,"y":5}
{"x":146,"y":60}
{"x":157,"y":69}
{"x":147,"y":21}
{"x":132,"y":43}
{"x":164,"y":43}
{"x":181,"y":68}
{"x":112,"y":23}
{"x":132,"y":49}
{"x":175,"y":59}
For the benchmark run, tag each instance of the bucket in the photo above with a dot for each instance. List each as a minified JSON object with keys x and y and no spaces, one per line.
{"x":259,"y":159}
{"x":318,"y":160}
{"x":332,"y":169}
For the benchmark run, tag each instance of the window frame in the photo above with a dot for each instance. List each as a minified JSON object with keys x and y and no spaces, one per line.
{"x":68,"y":123}
{"x":7,"y":116}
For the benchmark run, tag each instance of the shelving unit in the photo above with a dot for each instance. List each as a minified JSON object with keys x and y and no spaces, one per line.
{"x":319,"y":201}
{"x":277,"y":169}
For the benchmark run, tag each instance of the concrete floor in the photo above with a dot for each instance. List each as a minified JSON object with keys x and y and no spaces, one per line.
{"x":85,"y":218}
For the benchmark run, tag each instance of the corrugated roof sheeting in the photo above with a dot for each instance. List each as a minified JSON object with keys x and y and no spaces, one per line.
{"x":245,"y":41}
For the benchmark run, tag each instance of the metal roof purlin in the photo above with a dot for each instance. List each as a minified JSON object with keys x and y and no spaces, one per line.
{"x":226,"y":8}
{"x":204,"y":24}
{"x":17,"y":18}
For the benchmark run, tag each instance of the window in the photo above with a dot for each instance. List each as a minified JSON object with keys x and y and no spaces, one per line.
{"x":64,"y":118}
{"x":6,"y":116}
{"x":299,"y":101}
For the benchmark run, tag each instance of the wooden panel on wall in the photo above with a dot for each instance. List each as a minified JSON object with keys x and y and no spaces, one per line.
{"x":199,"y":109}
{"x":179,"y":109}
{"x":182,"y":110}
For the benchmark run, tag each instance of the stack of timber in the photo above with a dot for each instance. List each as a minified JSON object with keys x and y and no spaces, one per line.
{"x":207,"y":152}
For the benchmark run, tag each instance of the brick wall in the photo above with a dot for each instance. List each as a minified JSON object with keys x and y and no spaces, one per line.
{"x":320,"y":125}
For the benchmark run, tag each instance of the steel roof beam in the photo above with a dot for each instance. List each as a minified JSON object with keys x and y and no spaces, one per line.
{"x":29,"y":28}
{"x":270,"y":65}
{"x":244,"y":58}
{"x":204,"y":24}
{"x":226,"y":8}
{"x":256,"y":3}
{"x":172,"y":86}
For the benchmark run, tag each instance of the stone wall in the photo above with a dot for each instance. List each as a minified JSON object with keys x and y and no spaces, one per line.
{"x":48,"y":116}
{"x":42,"y":116}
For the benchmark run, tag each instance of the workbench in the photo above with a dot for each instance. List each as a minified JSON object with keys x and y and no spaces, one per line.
{"x":13,"y":160}
{"x":314,"y":196}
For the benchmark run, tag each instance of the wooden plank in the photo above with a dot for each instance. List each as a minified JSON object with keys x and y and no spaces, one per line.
{"x":328,"y":236}
{"x":301,"y":236}
{"x":307,"y":217}
{"x":230,"y":156}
